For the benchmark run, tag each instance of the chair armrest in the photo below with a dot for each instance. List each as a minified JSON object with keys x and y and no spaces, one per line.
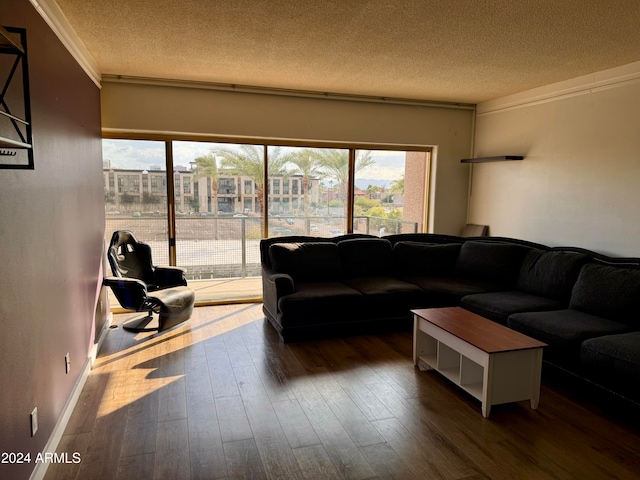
{"x":170,"y":277}
{"x":130,"y":292}
{"x":274,"y":286}
{"x":278,"y":283}
{"x":119,"y":282}
{"x":283,"y":284}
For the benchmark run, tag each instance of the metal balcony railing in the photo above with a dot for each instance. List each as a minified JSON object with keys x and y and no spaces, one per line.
{"x":223,"y":247}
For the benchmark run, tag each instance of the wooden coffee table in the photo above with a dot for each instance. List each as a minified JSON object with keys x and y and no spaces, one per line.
{"x":492,"y":362}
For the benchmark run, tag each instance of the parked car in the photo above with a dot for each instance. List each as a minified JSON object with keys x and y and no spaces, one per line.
{"x":280,"y":231}
{"x":313,"y":228}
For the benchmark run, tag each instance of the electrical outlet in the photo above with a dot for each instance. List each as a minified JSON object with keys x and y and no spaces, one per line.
{"x":34,"y":421}
{"x":67,"y":362}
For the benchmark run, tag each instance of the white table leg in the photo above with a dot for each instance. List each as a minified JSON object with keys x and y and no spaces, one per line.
{"x":416,"y":332}
{"x":487,"y":386}
{"x":536,"y":376}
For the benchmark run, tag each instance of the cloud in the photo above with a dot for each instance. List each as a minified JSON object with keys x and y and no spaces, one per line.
{"x":134,"y":154}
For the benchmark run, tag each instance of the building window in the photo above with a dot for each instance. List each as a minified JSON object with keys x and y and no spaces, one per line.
{"x":226,"y":186}
{"x":158,"y":184}
{"x":247,"y":187}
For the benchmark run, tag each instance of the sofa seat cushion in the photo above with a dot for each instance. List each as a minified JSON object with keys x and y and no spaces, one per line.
{"x":315,"y":301}
{"x":309,"y":261}
{"x":611,"y":292}
{"x":381,"y":285}
{"x":550,"y":274}
{"x":497,"y":306}
{"x":447,"y":291}
{"x":564,"y":330}
{"x":616,"y":355}
{"x":387,"y":295}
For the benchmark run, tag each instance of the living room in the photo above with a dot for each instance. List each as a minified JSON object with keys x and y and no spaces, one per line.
{"x":575,"y":186}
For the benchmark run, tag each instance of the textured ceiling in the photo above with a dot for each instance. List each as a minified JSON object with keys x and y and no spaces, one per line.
{"x":443,"y":50}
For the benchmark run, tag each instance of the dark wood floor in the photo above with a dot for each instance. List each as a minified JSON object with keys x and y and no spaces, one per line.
{"x":222,"y":397}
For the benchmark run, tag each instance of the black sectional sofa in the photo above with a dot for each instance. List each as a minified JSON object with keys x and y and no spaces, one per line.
{"x":584,"y":305}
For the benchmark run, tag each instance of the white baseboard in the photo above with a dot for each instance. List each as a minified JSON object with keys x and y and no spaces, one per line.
{"x":52,"y":444}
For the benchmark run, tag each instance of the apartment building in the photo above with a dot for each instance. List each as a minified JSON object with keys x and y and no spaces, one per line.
{"x":130,"y":191}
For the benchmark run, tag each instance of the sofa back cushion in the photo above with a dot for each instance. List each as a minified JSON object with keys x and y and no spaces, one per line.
{"x":609,"y":292}
{"x":550,"y":274}
{"x":425,"y":259}
{"x":306,"y":261}
{"x":266,"y":243}
{"x":490,"y":261}
{"x":364,"y":257}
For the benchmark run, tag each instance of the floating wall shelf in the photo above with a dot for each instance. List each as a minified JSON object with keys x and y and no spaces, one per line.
{"x":502,"y":158}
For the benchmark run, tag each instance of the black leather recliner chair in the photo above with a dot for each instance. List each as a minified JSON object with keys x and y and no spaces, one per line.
{"x":140,"y":286}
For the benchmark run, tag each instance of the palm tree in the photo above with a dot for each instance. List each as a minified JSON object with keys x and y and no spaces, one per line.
{"x":207,"y":167}
{"x":335,"y":164}
{"x":248,"y":161}
{"x":397,"y":186}
{"x":306,"y":165}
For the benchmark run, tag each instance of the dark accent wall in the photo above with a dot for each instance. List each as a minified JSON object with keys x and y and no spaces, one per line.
{"x":51,"y":239}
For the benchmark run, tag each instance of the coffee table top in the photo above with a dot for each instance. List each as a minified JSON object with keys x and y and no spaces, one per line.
{"x":482,"y":333}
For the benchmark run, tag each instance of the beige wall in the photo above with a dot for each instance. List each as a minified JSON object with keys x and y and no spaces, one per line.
{"x":51,"y":237}
{"x":171,"y":109}
{"x":578,"y":184}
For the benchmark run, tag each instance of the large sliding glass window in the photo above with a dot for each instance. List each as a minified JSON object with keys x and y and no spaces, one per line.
{"x":225,"y":201}
{"x":135,"y":192}
{"x":219,"y":226}
{"x":390,"y":191}
{"x":309,"y":201}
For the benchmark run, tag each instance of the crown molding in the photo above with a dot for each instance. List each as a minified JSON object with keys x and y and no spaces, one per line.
{"x":51,"y":13}
{"x":586,"y":84}
{"x":228,"y":87}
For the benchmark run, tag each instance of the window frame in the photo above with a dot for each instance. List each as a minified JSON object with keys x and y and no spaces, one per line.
{"x":351,"y":146}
